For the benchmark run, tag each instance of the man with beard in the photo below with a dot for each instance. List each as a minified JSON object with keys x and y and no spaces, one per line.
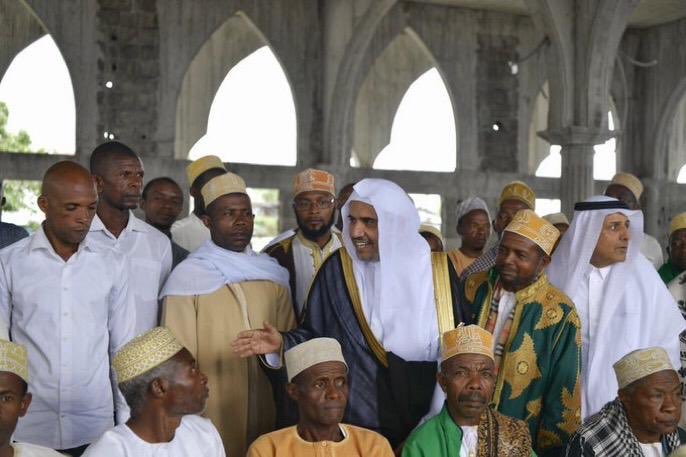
{"x":118,"y":174}
{"x":67,"y":300}
{"x":165,"y":390}
{"x":536,"y":334}
{"x":221,"y":289}
{"x":304,"y":252}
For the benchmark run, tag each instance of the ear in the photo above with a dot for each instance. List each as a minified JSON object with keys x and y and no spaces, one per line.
{"x":545,"y":261}
{"x":25,"y":403}
{"x":458,"y":230}
{"x":98,"y":183}
{"x":442,"y":381}
{"x":42,"y":203}
{"x":292,"y":391}
{"x":158,"y":387}
{"x":207,"y":221}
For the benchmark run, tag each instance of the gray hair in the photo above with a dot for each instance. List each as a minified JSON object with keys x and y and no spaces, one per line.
{"x":135,"y":390}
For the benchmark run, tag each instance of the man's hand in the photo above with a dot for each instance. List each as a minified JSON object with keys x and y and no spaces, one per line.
{"x":257,"y":342}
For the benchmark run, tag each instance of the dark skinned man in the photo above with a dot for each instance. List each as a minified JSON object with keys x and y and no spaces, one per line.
{"x":536,"y":334}
{"x":467,"y":425}
{"x":318,"y":383}
{"x":118,"y":174}
{"x":14,"y":378}
{"x":676,"y":263}
{"x":514,"y":197}
{"x":376,"y":297}
{"x":305,"y":250}
{"x":642,"y":420}
{"x":166,"y":391}
{"x":474,"y":228}
{"x":68,"y":302}
{"x":161,"y":202}
{"x":433,"y":236}
{"x":221,"y":289}
{"x":190,"y":232}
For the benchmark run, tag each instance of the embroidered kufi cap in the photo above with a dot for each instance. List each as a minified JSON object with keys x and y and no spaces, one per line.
{"x":556,"y":218}
{"x":466,"y":339}
{"x":200,"y":166}
{"x":14,"y":359}
{"x":639,"y":364}
{"x":427,"y":228}
{"x":228,"y":183}
{"x":518,"y":190}
{"x":314,"y":180}
{"x":317,"y":350}
{"x":678,"y":223}
{"x":629,"y":181}
{"x":145,"y":352}
{"x":527,"y":224}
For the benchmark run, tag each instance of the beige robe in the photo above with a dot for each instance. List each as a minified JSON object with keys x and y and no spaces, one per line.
{"x":241,"y":403}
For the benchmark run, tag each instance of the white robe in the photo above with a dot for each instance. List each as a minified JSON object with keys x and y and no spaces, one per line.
{"x":32,"y":450}
{"x":196,"y":436}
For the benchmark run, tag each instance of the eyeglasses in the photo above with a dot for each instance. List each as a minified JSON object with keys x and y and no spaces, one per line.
{"x":306,"y":205}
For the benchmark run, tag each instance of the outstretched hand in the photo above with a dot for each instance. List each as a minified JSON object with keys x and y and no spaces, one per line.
{"x":257,"y":342}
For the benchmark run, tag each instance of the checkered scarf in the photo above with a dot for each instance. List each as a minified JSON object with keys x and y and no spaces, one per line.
{"x":609,"y":435}
{"x":483,"y":263}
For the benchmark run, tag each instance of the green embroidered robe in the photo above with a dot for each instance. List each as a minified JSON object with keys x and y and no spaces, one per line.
{"x":538,"y":377}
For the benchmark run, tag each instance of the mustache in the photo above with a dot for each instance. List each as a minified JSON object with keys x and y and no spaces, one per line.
{"x":473,"y":397}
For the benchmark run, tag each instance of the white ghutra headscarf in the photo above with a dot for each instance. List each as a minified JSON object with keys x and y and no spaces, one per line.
{"x":397,"y":290}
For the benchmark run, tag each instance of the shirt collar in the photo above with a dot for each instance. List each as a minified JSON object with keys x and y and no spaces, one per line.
{"x":40,"y":240}
{"x":602,"y":272}
{"x":134,"y":224}
{"x":312,"y":245}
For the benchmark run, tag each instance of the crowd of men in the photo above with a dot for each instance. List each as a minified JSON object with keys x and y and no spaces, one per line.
{"x":359,"y":332}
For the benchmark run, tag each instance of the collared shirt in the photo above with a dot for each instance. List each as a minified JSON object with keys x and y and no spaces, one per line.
{"x":190,"y":232}
{"x":149,"y":254}
{"x":72,"y":317}
{"x":307,"y":258}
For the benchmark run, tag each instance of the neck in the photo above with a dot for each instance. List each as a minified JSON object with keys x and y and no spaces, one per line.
{"x":644,"y":436}
{"x":463,"y":421}
{"x":64,"y":250}
{"x":600,"y":263}
{"x":317,"y":432}
{"x":114,"y":219}
{"x":6,"y":449}
{"x":153,"y":425}
{"x":471,"y":251}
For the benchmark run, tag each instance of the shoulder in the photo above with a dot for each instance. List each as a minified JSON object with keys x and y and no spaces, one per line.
{"x":151,"y":233}
{"x":473,"y":282}
{"x":111,"y":443}
{"x":510,"y":422}
{"x":279,"y":247}
{"x":428,"y":431}
{"x":274,"y":437}
{"x":13,"y":229}
{"x":199,"y":424}
{"x":364,"y":434}
{"x":14,"y":249}
{"x":35,"y":450}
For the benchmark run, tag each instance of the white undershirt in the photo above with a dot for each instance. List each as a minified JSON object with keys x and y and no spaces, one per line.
{"x":651,"y":449}
{"x":505,"y":306}
{"x":470,"y":441}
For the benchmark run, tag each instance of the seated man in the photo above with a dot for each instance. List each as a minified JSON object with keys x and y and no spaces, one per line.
{"x":467,"y":425}
{"x":164,"y":388}
{"x":14,"y":378}
{"x":642,"y":420}
{"x":318,"y":382}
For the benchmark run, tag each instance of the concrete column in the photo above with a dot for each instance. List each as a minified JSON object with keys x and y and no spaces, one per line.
{"x":576,"y":181}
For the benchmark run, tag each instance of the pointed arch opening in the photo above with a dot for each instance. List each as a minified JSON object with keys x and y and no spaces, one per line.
{"x":676,"y":142}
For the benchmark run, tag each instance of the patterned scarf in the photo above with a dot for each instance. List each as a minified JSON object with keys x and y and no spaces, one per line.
{"x":501,"y":340}
{"x":502,"y":436}
{"x":609,"y":434}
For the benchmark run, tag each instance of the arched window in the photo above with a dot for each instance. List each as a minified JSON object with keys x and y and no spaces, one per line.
{"x":38,"y":94}
{"x":252,"y":117}
{"x":429,"y":208}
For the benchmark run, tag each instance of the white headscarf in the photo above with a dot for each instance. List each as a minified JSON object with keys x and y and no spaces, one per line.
{"x":637,"y":310}
{"x":396,"y":291}
{"x":470,"y":204}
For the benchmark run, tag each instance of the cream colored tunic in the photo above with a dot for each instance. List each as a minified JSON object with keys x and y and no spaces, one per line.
{"x":241,"y":403}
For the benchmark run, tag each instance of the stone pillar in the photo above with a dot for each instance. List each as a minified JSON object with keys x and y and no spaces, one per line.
{"x":576,"y":180}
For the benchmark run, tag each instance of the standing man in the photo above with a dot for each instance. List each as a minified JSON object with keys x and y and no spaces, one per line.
{"x":384,"y":297}
{"x":622,"y":303}
{"x":514,"y":197}
{"x":474,"y":228}
{"x":627,"y":188}
{"x":68,"y":301}
{"x":536,"y":336}
{"x":676,"y":263}
{"x":118,"y":174}
{"x":190,"y":232}
{"x":220,"y":290}
{"x":304,"y":252}
{"x":162,"y":201}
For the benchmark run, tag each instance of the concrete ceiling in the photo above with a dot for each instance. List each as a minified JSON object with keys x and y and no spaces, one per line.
{"x":646,"y":14}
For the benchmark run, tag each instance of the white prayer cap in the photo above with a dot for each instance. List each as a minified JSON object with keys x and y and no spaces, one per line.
{"x":228,"y":183}
{"x":629,"y":181}
{"x":471,"y":204}
{"x":317,"y":350}
{"x":428,"y":228}
{"x":14,"y":359}
{"x":641,"y":363}
{"x":556,"y":218}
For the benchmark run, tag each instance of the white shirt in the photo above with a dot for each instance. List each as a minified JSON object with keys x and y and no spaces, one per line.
{"x":72,"y":317}
{"x":470,"y":441}
{"x":307,"y":258}
{"x":190,"y":232}
{"x":505,"y":306}
{"x":196,"y":437}
{"x":652,"y":449}
{"x":31,"y":450}
{"x":652,"y":250}
{"x":148,"y":252}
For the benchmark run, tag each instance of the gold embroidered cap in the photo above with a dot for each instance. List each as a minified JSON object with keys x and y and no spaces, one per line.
{"x":527,"y":224}
{"x":629,"y":181}
{"x":518,"y":190}
{"x":427,"y":228}
{"x":317,"y":350}
{"x":678,"y":223}
{"x":466,"y":339}
{"x":201,"y":165}
{"x":145,"y":352}
{"x":228,"y":183}
{"x":639,"y":364}
{"x":556,"y":218}
{"x":14,"y":359}
{"x":314,"y":180}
